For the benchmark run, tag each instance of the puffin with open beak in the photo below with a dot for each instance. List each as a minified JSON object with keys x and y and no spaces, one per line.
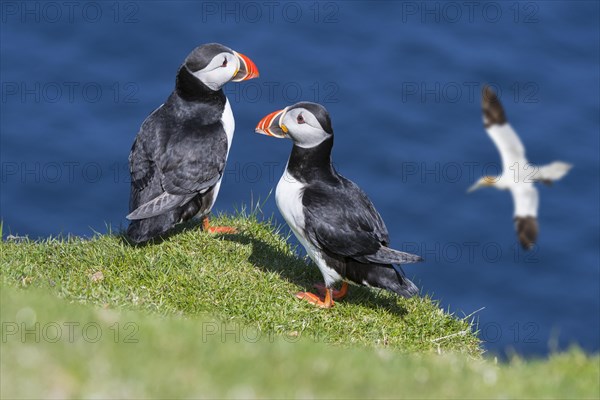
{"x":179,"y":155}
{"x":330,"y":215}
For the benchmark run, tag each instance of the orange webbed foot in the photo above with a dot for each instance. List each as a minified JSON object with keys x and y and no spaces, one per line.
{"x":222,"y":229}
{"x":336,"y":294}
{"x":217,"y":229}
{"x":312,"y":298}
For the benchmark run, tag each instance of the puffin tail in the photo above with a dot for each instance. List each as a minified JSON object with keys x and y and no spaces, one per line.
{"x":388,"y":277}
{"x":406,"y":289}
{"x":403,"y":286}
{"x":141,"y":231}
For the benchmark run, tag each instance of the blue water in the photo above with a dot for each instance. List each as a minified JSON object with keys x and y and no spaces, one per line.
{"x":401,"y":81}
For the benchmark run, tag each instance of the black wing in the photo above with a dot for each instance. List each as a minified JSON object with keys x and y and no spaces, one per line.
{"x":145,"y":183}
{"x":171,"y":162}
{"x":341,"y":219}
{"x":192,"y":163}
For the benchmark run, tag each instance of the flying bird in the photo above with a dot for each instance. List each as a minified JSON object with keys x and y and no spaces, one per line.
{"x":330,"y":215}
{"x":178,"y":156}
{"x":518,"y":175}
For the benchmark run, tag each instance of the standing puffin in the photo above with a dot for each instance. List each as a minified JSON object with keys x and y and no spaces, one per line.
{"x":518,"y":175}
{"x":178,"y":156}
{"x":330,"y":215}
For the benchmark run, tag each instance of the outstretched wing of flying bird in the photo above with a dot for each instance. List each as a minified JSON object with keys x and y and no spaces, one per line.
{"x":526,"y":200}
{"x":527,"y":231}
{"x":507,"y":141}
{"x":552,"y":172}
{"x":509,"y":146}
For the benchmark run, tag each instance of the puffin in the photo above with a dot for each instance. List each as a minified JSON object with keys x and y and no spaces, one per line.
{"x":518,"y":175}
{"x":331,"y":216}
{"x":179,"y":154}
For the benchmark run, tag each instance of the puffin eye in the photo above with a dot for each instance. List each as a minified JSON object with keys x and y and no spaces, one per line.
{"x":300,"y":119}
{"x":224,"y":62}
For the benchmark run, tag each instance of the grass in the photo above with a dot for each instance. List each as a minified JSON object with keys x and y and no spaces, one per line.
{"x":134,"y":354}
{"x":247,"y":278}
{"x":214,"y":316}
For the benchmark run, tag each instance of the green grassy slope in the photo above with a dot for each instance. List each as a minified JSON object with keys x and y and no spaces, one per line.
{"x":112,"y":354}
{"x":214,"y":316}
{"x":248,"y":278}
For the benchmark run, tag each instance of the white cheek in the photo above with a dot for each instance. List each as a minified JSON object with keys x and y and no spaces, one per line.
{"x":306,"y":136}
{"x":216,"y":78}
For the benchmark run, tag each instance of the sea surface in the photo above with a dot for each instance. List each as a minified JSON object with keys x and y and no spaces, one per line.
{"x":402,"y":83}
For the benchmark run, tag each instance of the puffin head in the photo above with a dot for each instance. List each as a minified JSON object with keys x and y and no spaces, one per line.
{"x":215,"y":65}
{"x":307,"y":124}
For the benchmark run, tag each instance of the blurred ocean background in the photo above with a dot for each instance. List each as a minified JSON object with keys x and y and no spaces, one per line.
{"x":401,"y":81}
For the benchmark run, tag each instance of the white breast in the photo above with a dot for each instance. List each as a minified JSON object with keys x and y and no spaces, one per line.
{"x":228,"y":124}
{"x":288,"y":197}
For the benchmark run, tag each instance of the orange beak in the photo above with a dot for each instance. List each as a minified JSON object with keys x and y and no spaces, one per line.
{"x":271,"y":125}
{"x":247,"y":69}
